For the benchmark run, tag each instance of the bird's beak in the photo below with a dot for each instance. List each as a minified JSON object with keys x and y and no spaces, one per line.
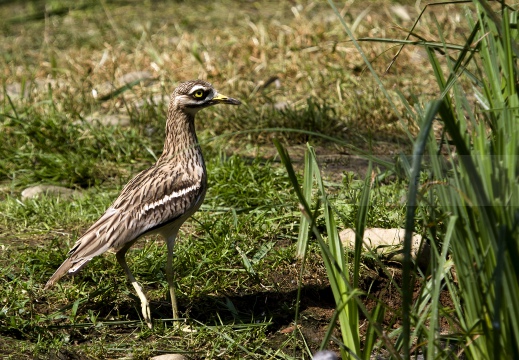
{"x":222,"y":99}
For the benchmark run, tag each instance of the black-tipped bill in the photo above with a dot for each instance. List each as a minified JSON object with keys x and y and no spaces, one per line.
{"x":222,"y":99}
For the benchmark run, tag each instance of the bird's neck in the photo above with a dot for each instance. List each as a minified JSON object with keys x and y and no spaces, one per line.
{"x":181,"y":143}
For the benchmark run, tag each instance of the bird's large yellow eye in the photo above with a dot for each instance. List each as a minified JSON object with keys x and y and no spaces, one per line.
{"x":198,"y":94}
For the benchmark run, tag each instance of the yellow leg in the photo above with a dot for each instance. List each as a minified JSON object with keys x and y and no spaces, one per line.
{"x":145,"y":306}
{"x":170,"y":241}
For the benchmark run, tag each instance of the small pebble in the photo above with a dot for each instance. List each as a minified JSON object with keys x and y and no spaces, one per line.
{"x":325,"y":355}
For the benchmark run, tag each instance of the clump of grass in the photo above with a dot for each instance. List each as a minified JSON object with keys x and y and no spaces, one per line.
{"x":69,"y":151}
{"x":467,"y":216}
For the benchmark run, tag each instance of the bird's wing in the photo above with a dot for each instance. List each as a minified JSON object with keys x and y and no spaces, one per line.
{"x":154,"y":198}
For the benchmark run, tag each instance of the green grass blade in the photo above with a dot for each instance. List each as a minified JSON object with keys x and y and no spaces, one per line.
{"x":361,"y":225}
{"x":412,"y":203}
{"x":377,"y":317}
{"x":120,"y":90}
{"x":304,"y":226}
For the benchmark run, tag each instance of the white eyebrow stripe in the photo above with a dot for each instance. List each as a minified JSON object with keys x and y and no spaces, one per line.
{"x":197,"y":87}
{"x":169,"y":197}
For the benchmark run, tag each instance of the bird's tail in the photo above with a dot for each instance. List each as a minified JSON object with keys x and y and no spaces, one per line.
{"x":62,"y":270}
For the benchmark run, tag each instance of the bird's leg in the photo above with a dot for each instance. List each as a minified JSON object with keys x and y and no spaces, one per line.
{"x":170,"y":241}
{"x":145,"y":306}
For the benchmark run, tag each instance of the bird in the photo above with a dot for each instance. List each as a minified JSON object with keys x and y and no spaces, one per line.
{"x":159,"y":199}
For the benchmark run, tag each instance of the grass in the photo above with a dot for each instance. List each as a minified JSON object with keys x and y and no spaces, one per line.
{"x":258,"y":223}
{"x":241,"y":287}
{"x":466,"y":207}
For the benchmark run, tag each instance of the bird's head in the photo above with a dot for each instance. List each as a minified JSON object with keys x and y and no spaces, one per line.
{"x":192,"y":96}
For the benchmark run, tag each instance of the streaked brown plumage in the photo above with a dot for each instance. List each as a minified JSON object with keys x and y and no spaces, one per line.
{"x":157,"y":200}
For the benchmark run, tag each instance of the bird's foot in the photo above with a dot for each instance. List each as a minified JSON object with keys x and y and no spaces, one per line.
{"x":146,"y":313}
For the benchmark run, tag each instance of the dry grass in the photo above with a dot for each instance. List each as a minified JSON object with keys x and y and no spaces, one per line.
{"x":237,"y":46}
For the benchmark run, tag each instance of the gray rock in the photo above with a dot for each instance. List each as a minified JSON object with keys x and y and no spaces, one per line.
{"x":109,"y":119}
{"x":281,"y":106}
{"x":158,"y":99}
{"x":15,"y":91}
{"x":401,"y":12}
{"x":59,"y":191}
{"x":169,"y":357}
{"x":386,"y":242}
{"x":325,"y":355}
{"x":104,"y":89}
{"x":19,"y":90}
{"x":133,"y":76}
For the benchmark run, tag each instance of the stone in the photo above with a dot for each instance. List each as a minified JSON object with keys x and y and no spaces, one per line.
{"x":19,"y":90}
{"x":133,"y":76}
{"x":49,"y":190}
{"x":169,"y":357}
{"x":104,"y":89}
{"x":157,"y":99}
{"x":325,"y":355}
{"x":401,"y":12}
{"x":281,"y":106}
{"x":109,"y":119}
{"x":385,"y":242}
